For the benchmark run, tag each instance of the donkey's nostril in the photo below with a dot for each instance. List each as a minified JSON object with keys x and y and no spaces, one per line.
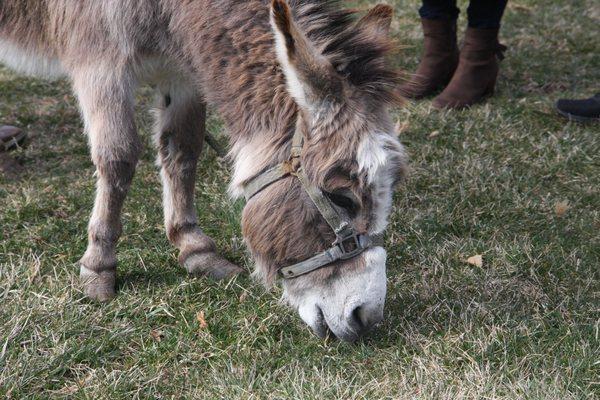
{"x":364,"y":317}
{"x":358,"y":317}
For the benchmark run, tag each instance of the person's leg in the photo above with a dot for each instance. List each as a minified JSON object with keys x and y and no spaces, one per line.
{"x":440,"y":52}
{"x":486,"y":14}
{"x":439,"y":9}
{"x":477,"y":70}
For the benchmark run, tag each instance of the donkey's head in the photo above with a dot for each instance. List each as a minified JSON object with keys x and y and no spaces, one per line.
{"x":335,"y":71}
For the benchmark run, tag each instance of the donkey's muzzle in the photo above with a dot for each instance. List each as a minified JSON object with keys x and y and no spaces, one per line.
{"x":347,"y":307}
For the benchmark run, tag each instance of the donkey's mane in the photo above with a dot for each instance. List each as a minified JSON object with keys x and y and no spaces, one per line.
{"x":356,"y":53}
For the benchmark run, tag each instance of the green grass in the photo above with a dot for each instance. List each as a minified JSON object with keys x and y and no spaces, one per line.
{"x":485,"y":181}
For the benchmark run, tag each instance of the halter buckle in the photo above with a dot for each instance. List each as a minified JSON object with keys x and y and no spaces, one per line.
{"x":350,"y":246}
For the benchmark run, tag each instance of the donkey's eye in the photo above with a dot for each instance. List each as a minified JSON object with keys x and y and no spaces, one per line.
{"x":346,"y":201}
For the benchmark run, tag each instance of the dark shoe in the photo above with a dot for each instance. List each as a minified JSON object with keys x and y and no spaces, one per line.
{"x":475,"y":77}
{"x":438,"y":61}
{"x":587,"y":110}
{"x":10,"y":136}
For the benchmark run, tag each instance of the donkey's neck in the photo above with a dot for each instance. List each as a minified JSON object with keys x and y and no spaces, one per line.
{"x":241,"y":77}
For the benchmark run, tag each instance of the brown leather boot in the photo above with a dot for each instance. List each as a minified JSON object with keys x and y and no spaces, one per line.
{"x":438,"y":61}
{"x":475,"y":77}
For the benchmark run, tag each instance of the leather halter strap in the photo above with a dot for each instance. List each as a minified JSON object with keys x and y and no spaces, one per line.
{"x":348,"y":242}
{"x":279,"y":171}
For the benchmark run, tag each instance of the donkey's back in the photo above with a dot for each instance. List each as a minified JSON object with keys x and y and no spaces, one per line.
{"x":56,"y":37}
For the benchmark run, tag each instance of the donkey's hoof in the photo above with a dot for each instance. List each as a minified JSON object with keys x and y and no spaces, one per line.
{"x":98,"y":286}
{"x":210,"y":264}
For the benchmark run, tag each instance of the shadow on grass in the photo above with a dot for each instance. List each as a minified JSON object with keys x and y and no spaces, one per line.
{"x":166,"y":276}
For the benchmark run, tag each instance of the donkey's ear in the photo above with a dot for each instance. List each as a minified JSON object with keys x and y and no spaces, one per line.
{"x":377,"y":21}
{"x":310,"y":77}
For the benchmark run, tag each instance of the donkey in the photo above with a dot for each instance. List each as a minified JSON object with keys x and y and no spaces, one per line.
{"x":307,"y":72}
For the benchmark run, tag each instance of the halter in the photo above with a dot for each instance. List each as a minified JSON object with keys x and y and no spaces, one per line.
{"x":348,"y":242}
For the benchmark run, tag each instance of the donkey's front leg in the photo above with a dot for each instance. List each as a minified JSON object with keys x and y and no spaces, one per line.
{"x":108,"y":110}
{"x":180,"y":132}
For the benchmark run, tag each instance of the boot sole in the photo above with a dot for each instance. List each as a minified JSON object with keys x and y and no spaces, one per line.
{"x":489,"y":92}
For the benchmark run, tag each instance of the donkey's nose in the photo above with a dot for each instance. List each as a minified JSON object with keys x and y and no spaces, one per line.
{"x":365,"y":316}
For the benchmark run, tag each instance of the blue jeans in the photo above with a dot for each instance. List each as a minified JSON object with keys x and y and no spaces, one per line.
{"x":483,"y":14}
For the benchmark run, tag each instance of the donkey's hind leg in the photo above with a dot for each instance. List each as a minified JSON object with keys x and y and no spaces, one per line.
{"x":107,"y":105}
{"x":180,"y":130}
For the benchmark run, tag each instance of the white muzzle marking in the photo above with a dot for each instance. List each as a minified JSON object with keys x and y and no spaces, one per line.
{"x":348,"y":305}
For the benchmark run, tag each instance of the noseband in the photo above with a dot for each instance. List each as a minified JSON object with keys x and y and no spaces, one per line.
{"x":348,"y":242}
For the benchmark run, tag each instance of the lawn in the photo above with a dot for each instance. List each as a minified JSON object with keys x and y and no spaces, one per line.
{"x":509,"y":180}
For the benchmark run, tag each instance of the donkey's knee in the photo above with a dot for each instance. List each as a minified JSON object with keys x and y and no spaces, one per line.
{"x":117,"y":175}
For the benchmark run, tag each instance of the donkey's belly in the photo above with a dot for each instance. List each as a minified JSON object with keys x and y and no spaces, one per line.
{"x":28,"y":61}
